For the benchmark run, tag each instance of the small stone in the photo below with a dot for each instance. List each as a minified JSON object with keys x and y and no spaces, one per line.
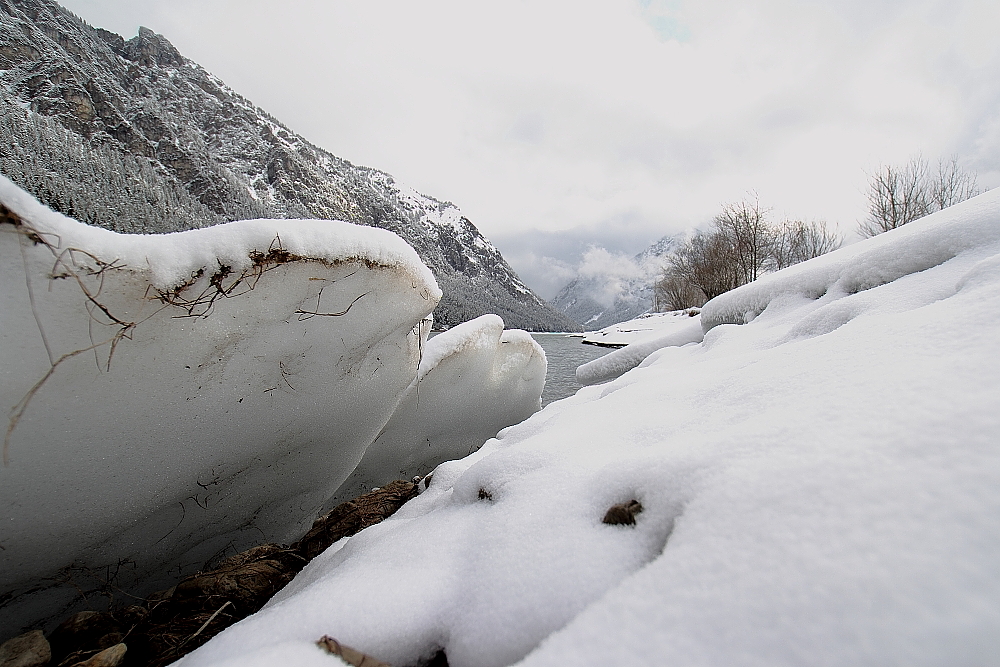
{"x":623,"y":514}
{"x":27,"y":650}
{"x":109,"y":657}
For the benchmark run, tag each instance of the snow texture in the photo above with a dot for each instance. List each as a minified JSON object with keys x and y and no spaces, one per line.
{"x":473,"y":380}
{"x":821,"y":485}
{"x":186,"y":394}
{"x":640,"y":338}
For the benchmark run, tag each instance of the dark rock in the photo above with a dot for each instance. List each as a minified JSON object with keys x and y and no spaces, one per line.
{"x":27,"y":650}
{"x":82,"y":633}
{"x":623,"y":514}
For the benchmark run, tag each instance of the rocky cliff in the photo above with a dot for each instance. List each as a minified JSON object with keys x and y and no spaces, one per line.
{"x":132,"y":136}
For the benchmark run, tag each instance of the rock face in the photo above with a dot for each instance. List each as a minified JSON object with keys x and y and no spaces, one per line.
{"x":132,"y":136}
{"x":598,"y":299}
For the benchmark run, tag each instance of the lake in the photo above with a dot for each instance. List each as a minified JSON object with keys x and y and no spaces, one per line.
{"x":564,"y":354}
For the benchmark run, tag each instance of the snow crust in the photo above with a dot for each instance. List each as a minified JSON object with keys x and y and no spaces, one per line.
{"x":640,"y":338}
{"x":473,"y":380}
{"x":169,"y":260}
{"x":821,"y":485}
{"x":184,"y":395}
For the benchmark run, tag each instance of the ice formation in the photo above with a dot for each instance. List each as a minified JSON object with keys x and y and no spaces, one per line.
{"x":820,"y":482}
{"x":473,"y":380}
{"x":179,"y":396}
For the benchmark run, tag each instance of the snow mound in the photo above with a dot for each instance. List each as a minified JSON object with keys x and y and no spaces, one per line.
{"x":640,"y":337}
{"x":173,"y":397}
{"x":473,"y":380}
{"x":817,"y":488}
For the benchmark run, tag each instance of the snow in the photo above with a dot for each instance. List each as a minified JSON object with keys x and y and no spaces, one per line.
{"x":443,"y":415}
{"x":641,"y":337}
{"x":184,"y":395}
{"x":820,"y":483}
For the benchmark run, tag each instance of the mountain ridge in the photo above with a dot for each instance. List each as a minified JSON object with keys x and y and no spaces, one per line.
{"x":132,"y":136}
{"x":614,"y":290}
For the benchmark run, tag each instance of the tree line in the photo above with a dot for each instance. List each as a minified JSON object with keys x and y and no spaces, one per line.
{"x":742,"y":242}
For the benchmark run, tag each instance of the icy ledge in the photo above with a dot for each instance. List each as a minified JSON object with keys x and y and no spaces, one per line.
{"x":820,"y":485}
{"x":175,"y":397}
{"x":474,"y":380}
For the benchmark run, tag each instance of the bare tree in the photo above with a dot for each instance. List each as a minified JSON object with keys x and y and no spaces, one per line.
{"x":900,"y":195}
{"x":739,"y":248}
{"x":744,"y":225}
{"x":674,"y":292}
{"x":798,"y":241}
{"x":951,"y":184}
{"x":896,"y":196}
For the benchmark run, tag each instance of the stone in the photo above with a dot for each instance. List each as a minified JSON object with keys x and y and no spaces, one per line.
{"x":28,"y":650}
{"x":623,"y":514}
{"x":109,"y":657}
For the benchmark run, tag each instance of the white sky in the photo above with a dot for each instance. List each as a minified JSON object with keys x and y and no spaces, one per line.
{"x":558,"y":123}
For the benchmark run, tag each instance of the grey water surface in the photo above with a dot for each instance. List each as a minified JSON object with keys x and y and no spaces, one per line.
{"x":564,"y":353}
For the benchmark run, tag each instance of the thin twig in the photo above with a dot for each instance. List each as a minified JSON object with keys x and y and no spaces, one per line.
{"x":205,"y":624}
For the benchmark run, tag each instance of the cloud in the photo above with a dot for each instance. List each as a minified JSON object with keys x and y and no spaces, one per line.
{"x":561,"y":115}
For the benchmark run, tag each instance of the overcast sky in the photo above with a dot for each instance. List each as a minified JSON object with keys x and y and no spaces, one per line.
{"x":555,"y":124}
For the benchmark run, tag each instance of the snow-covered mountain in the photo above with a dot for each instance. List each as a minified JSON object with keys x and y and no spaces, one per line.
{"x":609,"y":289}
{"x":132,"y":136}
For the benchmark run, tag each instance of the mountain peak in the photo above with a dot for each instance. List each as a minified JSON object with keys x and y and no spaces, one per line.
{"x":151,"y":49}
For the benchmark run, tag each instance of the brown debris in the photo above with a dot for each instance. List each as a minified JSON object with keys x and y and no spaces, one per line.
{"x":347,"y":654}
{"x":27,"y":650}
{"x":623,"y":514}
{"x":176,"y":621}
{"x":355,"y":515}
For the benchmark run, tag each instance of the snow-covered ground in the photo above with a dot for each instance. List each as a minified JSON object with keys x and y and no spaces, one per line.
{"x":819,"y":478}
{"x":637,"y":339}
{"x":642,"y":328}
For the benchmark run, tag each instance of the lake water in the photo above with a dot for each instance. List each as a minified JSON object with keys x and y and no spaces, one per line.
{"x":564,"y":354}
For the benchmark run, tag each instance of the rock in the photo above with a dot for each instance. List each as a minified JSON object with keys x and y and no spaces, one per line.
{"x":347,"y":654}
{"x":623,"y":514}
{"x":109,"y":657}
{"x":247,"y":586}
{"x":28,"y":650}
{"x":83,"y":633}
{"x":354,"y":516}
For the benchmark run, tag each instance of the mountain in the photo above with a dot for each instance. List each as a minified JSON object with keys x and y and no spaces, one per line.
{"x":132,"y":136}
{"x":610,"y":289}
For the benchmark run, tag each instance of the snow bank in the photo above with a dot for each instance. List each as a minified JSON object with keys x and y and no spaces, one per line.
{"x":176,"y":397}
{"x":641,"y":337}
{"x":816,"y":489}
{"x":473,"y":380}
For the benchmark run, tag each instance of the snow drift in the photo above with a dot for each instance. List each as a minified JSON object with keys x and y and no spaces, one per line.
{"x":473,"y":380}
{"x":640,"y":338}
{"x":176,"y":397}
{"x":820,"y":483}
